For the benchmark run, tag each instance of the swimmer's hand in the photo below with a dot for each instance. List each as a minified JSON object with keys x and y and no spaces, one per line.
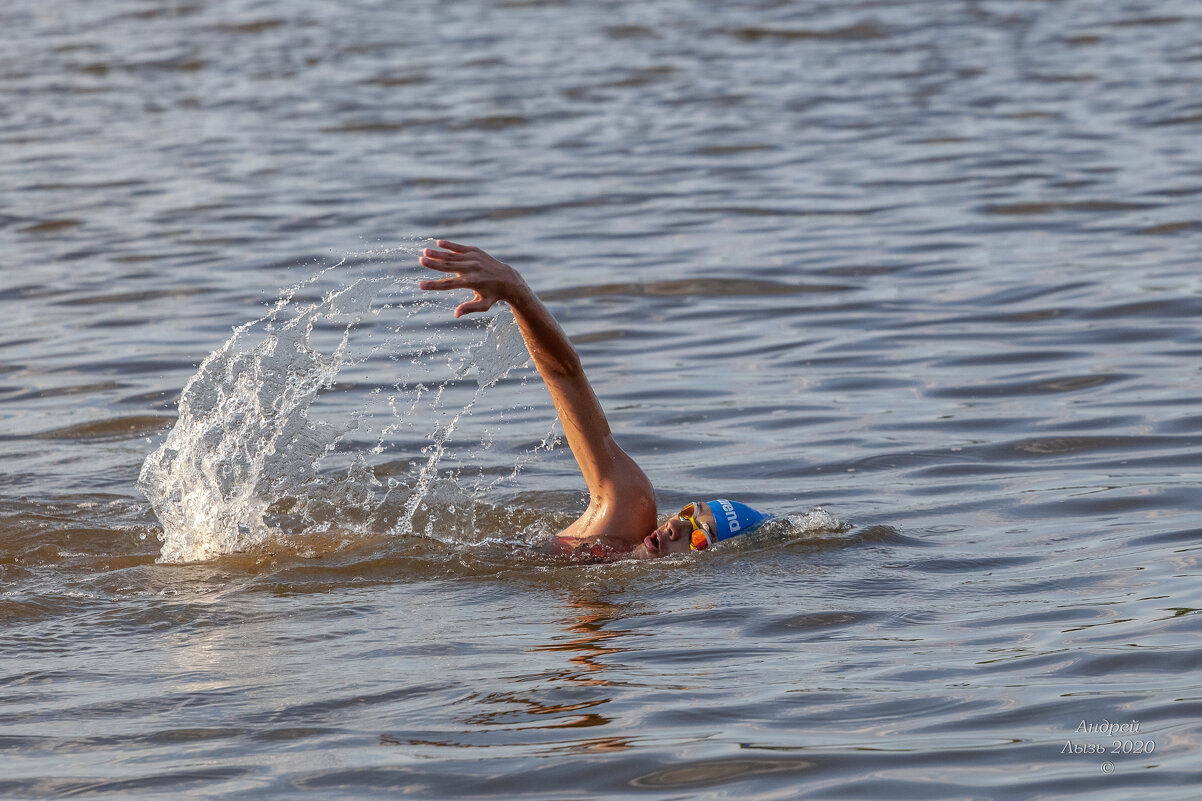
{"x":473,"y":269}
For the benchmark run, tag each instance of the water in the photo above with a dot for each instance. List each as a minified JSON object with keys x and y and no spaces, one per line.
{"x":928,"y":267}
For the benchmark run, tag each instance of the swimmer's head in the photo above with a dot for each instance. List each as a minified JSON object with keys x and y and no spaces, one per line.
{"x":700,"y":525}
{"x":731,"y":518}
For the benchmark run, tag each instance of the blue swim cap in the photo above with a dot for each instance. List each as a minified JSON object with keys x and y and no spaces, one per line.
{"x":735,"y":518}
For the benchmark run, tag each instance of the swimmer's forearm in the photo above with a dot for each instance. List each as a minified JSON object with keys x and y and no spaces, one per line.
{"x":549,"y":346}
{"x":576,"y":404}
{"x":601,"y":461}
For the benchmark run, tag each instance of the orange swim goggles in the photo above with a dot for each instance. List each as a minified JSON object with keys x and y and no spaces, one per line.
{"x":700,"y":538}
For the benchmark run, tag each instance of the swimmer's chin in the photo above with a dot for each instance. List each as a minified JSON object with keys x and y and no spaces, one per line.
{"x":641,"y":551}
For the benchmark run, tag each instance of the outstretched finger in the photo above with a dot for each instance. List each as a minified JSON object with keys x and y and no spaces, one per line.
{"x":447,"y":255}
{"x":455,"y":246}
{"x":444,"y":283}
{"x":439,"y":264}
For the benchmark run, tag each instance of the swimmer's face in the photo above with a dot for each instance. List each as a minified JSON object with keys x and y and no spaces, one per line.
{"x":674,"y":535}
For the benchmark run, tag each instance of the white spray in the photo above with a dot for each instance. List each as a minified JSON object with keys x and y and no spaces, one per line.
{"x":245,"y":453}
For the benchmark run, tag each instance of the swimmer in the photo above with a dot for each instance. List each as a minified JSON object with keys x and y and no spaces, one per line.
{"x":620,"y":521}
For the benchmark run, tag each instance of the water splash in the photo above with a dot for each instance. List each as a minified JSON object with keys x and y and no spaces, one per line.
{"x":815,"y":521}
{"x":251,"y":460}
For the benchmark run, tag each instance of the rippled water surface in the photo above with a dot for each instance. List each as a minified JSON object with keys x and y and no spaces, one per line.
{"x":921,"y":278}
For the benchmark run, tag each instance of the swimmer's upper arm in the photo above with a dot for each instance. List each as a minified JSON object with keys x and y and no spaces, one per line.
{"x":606,"y":467}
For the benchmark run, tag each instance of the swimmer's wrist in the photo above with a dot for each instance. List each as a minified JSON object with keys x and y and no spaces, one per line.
{"x":522,"y":297}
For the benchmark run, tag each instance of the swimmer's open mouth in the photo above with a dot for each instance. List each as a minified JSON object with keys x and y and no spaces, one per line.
{"x":652,"y":542}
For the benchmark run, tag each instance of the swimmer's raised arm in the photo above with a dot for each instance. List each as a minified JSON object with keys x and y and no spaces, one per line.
{"x":621,"y":506}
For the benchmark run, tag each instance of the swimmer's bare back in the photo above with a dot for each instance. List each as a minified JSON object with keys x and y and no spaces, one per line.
{"x":621,"y":512}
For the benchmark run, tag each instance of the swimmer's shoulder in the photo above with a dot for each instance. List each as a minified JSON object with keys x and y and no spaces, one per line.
{"x":603,"y":533}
